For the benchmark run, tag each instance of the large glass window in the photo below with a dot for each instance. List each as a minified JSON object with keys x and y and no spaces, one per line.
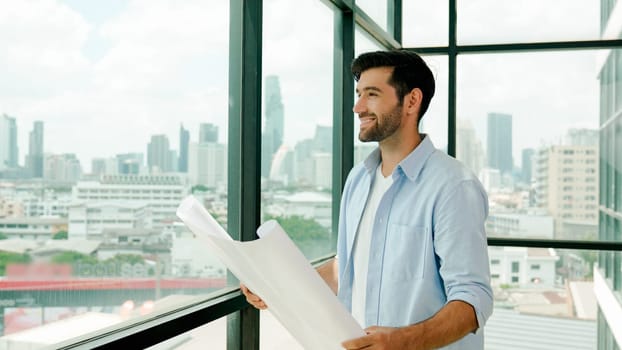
{"x":114,"y":112}
{"x":425,"y":23}
{"x":435,"y":120}
{"x":362,"y":43}
{"x":528,"y":21}
{"x":273,"y":337}
{"x":297,"y":100}
{"x":376,"y":10}
{"x":530,"y":131}
{"x":554,"y":305}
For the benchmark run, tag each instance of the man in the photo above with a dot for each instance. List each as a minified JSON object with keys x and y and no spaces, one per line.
{"x":412,"y":261}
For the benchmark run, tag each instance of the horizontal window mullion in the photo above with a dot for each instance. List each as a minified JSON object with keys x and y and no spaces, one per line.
{"x":139,"y":335}
{"x":555,"y":243}
{"x":513,"y":47}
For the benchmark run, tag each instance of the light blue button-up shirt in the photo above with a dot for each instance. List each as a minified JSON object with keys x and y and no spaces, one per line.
{"x":428,"y":244}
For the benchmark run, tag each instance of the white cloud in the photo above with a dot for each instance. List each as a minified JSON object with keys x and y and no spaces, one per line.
{"x":545,"y":92}
{"x":298,"y":47}
{"x":40,"y":42}
{"x":165,"y":62}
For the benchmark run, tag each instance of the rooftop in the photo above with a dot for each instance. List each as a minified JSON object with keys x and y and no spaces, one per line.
{"x":510,"y":330}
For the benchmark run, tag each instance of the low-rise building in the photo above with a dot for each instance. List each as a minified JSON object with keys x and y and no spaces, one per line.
{"x":88,"y":220}
{"x":521,"y":266}
{"x":162,"y":193}
{"x":35,"y":228}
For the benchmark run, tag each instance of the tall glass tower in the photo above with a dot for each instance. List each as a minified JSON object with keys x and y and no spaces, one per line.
{"x":34,"y":160}
{"x":184,"y":141}
{"x":274,"y":123}
{"x":499,"y":142}
{"x":8,"y":142}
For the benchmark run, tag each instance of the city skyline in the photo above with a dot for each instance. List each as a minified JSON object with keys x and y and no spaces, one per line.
{"x":173,"y":145}
{"x":123,"y":83}
{"x":89,"y":80}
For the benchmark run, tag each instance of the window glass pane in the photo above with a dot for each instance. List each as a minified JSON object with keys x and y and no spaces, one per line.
{"x":111,"y":113}
{"x":273,"y":336}
{"x":434,"y":122}
{"x":557,"y":304}
{"x":425,"y":23}
{"x":530,"y":131}
{"x":376,"y":10}
{"x":362,"y":43}
{"x":527,"y":21}
{"x":212,"y":336}
{"x":297,"y":97}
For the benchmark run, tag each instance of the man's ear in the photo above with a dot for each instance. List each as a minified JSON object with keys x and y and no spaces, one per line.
{"x":413,"y":100}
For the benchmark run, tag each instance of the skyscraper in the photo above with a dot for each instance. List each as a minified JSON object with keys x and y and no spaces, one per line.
{"x":62,"y":167}
{"x":499,"y":143}
{"x":468,"y":147}
{"x":323,"y":139}
{"x":159,"y":154}
{"x":184,"y":140}
{"x":527,"y":164}
{"x":129,"y":163}
{"x":34,"y":159}
{"x":207,"y":164}
{"x":8,"y":142}
{"x":274,"y":123}
{"x":208,"y":132}
{"x":567,"y":186}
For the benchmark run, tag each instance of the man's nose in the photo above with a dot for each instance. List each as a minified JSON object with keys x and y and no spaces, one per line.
{"x":359,"y":106}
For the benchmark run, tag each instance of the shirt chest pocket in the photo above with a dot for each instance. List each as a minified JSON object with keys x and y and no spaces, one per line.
{"x":406,"y":252}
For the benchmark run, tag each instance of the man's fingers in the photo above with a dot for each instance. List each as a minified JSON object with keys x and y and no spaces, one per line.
{"x":252,"y":298}
{"x":357,"y":343}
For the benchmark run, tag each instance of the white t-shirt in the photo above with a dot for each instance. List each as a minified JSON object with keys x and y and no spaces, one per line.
{"x":363,"y":240}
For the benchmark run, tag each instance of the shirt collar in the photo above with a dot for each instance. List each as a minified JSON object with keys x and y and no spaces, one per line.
{"x":412,"y":165}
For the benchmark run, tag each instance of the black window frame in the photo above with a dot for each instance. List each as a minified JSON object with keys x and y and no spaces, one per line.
{"x":245,"y":145}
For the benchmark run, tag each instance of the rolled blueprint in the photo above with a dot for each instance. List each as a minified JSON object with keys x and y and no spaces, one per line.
{"x":277,"y":271}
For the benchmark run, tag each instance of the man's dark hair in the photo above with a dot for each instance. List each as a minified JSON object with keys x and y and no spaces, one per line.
{"x":409,"y":72}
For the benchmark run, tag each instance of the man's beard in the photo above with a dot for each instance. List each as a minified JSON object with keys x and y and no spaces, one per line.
{"x":385,"y":126}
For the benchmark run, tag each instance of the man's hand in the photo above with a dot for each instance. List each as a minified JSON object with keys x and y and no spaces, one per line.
{"x":382,"y":338}
{"x":252,"y":298}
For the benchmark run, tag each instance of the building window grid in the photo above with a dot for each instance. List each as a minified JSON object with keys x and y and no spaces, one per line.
{"x":605,"y":94}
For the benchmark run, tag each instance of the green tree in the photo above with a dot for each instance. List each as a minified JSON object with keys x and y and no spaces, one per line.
{"x":60,"y":235}
{"x":300,"y":228}
{"x":72,"y":257}
{"x":126,"y":258}
{"x":310,"y":237}
{"x":199,"y":188}
{"x":7,"y":258}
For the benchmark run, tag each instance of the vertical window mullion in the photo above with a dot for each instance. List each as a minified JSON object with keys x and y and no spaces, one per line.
{"x":343,"y":117}
{"x":243,"y":217}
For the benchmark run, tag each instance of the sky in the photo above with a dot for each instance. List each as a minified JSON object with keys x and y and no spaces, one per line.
{"x":106,"y":75}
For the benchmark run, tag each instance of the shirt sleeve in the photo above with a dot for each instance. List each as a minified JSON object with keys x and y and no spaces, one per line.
{"x":461,"y":247}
